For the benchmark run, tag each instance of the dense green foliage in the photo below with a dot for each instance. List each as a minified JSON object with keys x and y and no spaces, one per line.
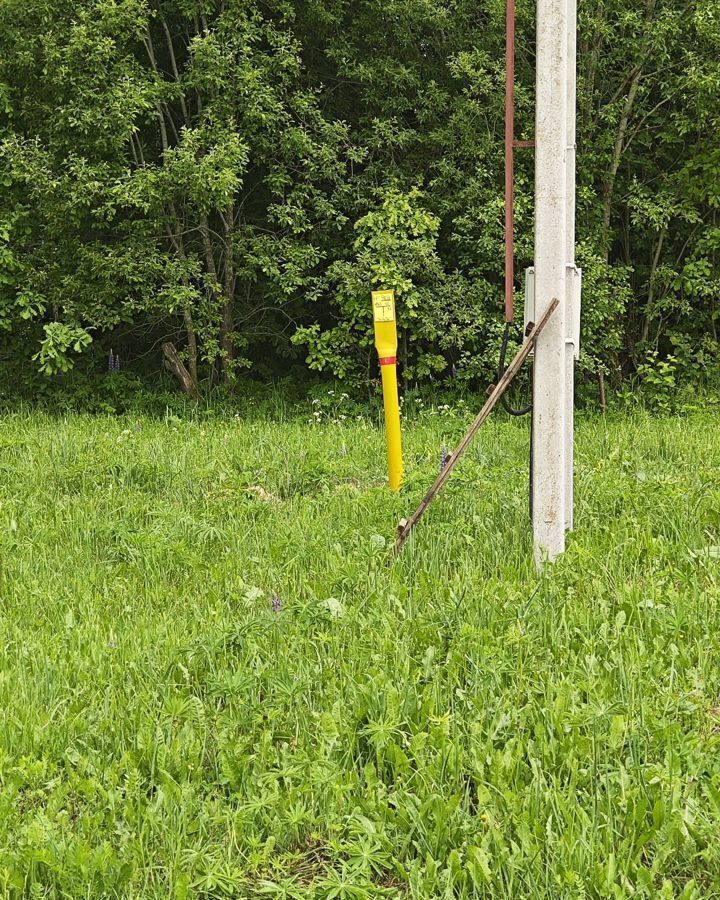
{"x":212,"y":684}
{"x":233,"y":177}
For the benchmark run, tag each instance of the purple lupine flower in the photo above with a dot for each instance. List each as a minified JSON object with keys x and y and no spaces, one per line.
{"x":454,"y":370}
{"x":117,"y":362}
{"x":444,"y":458}
{"x":111,"y":363}
{"x":276,"y":603}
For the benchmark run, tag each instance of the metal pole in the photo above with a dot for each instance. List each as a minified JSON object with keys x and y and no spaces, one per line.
{"x":550,"y":370}
{"x":509,"y":159}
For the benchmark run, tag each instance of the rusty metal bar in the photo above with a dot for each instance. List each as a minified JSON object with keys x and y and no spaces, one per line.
{"x":406,"y":525}
{"x":509,"y":160}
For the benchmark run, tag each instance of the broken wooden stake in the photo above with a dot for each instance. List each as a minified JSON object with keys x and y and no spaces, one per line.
{"x":405,"y":527}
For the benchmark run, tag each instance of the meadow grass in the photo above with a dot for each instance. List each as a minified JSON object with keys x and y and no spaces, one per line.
{"x":213,"y":684}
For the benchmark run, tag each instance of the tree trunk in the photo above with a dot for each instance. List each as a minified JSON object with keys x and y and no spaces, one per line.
{"x":175,"y":365}
{"x":210,"y":265}
{"x":651,"y":288}
{"x":227,"y":326}
{"x":619,"y":147}
{"x":713,"y":299}
{"x":192,"y":345}
{"x":176,"y":73}
{"x":609,"y":188}
{"x":176,"y":239}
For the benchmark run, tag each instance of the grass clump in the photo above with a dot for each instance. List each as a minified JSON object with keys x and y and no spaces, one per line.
{"x":212,"y":683}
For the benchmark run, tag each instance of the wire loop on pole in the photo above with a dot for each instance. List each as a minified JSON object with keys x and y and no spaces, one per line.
{"x":502,"y":368}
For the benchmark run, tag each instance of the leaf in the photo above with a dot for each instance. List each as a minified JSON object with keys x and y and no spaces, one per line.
{"x":334,"y":607}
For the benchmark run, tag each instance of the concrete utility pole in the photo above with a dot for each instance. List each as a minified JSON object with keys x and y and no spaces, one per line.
{"x":555,"y":277}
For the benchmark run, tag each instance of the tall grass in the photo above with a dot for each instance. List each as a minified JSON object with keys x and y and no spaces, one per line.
{"x":213,"y":684}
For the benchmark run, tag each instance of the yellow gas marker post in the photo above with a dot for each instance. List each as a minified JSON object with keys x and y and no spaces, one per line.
{"x":386,"y":344}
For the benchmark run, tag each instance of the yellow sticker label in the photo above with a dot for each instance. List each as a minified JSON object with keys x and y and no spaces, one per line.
{"x":383,"y":306}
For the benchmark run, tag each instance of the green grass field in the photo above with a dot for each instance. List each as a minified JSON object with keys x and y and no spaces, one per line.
{"x":212,"y":684}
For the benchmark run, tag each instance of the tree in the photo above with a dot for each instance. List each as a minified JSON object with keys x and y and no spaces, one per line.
{"x":166,"y":165}
{"x":219,"y":177}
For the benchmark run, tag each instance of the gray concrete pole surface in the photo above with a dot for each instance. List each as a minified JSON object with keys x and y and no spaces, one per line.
{"x":554,"y":235}
{"x":571,"y":271}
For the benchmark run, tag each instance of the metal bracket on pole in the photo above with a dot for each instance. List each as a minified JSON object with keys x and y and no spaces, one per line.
{"x":574,"y":286}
